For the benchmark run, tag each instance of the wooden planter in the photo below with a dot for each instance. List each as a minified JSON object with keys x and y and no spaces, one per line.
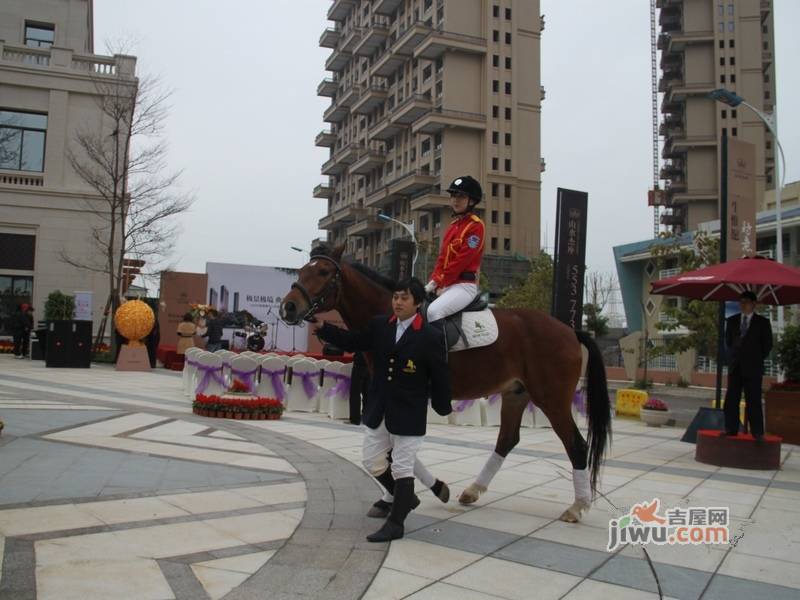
{"x":783,"y":414}
{"x":228,"y":415}
{"x":654,"y":418}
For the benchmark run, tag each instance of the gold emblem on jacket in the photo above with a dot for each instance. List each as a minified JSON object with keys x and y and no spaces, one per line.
{"x":410,"y":367}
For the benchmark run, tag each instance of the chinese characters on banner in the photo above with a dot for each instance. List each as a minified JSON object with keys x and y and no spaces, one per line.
{"x":741,"y":199}
{"x":570,"y":257}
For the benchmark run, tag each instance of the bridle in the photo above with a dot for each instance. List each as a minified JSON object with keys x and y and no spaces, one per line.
{"x":315,"y":304}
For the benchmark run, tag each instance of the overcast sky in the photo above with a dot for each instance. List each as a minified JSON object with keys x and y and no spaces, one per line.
{"x":245,"y":113}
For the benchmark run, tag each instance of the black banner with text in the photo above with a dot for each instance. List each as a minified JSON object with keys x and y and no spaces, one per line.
{"x":570,"y":257}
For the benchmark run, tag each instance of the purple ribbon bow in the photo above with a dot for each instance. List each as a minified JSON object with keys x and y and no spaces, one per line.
{"x":342,"y":384}
{"x":462,"y":405}
{"x":308,"y":378}
{"x":247,"y":377}
{"x":276,"y":378}
{"x":192,"y":363}
{"x":579,"y":402}
{"x":210,"y":373}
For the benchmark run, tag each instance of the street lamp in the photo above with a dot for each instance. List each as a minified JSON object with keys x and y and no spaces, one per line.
{"x":409,"y":227}
{"x":771,"y":121}
{"x":300,"y":250}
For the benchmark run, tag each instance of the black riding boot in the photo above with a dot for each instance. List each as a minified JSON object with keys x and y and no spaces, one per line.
{"x":381,"y":509}
{"x":403,"y":504}
{"x":439,"y":324}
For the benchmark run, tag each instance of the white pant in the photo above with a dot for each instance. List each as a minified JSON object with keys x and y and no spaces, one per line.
{"x":378,"y":442}
{"x":452,"y":299}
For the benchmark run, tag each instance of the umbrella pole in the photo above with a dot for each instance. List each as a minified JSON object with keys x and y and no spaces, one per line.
{"x":720,"y":353}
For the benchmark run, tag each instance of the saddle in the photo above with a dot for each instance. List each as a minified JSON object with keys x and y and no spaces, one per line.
{"x":471,"y":327}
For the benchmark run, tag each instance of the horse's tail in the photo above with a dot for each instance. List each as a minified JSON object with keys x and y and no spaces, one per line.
{"x":598,"y":406}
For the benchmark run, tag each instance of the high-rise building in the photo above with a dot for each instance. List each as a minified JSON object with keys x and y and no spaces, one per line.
{"x":49,"y":90}
{"x":423,"y":91}
{"x":708,"y":44}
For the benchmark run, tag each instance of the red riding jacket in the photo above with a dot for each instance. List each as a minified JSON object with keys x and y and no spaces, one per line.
{"x":462,"y":248}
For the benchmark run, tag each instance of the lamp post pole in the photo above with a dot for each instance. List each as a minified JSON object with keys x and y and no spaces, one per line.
{"x":300,"y":250}
{"x":409,"y":227}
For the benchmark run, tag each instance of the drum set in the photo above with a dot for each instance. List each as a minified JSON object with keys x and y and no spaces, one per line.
{"x":252,"y":338}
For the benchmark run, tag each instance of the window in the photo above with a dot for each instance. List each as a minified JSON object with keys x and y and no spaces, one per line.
{"x":494,"y":217}
{"x":721,"y":26}
{"x":14,"y":290}
{"x":508,"y":87}
{"x":721,"y":10}
{"x":508,"y":14}
{"x":508,"y":37}
{"x":495,"y":111}
{"x":722,"y":44}
{"x":494,"y":243}
{"x":17,"y":251}
{"x":508,"y":62}
{"x":495,"y":60}
{"x":39,"y":35}
{"x":426,"y":147}
{"x":22,"y":140}
{"x":722,"y":78}
{"x":495,"y":11}
{"x":724,"y":114}
{"x":734,"y":131}
{"x":724,"y":131}
{"x":495,"y":35}
{"x":732,"y":60}
{"x":507,"y":244}
{"x":508,"y":165}
{"x":495,"y":188}
{"x":495,"y":86}
{"x":721,"y":61}
{"x":495,"y":136}
{"x":426,"y":73}
{"x":508,"y":114}
{"x":730,"y":9}
{"x":507,"y":191}
{"x":733,"y":78}
{"x":731,"y":44}
{"x":731,"y":26}
{"x":733,"y":114}
{"x":506,"y":218}
{"x":508,"y":139}
{"x":495,"y":164}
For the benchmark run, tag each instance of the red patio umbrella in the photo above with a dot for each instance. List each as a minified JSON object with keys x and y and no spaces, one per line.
{"x":772,"y":282}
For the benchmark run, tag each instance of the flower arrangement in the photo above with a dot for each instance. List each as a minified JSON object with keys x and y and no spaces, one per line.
{"x":235,"y":408}
{"x":199,"y":310}
{"x":239,"y":387}
{"x":655,"y":404}
{"x":6,"y":347}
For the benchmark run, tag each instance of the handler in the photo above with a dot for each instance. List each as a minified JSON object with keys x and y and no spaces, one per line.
{"x":408,"y":367}
{"x":455,"y":277}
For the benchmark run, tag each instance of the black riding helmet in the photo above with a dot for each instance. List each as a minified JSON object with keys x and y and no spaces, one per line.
{"x":469,"y":186}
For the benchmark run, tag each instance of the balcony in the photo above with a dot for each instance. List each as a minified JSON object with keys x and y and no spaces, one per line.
{"x":372,"y":37}
{"x":678,"y":40}
{"x":335,"y":113}
{"x":349,"y":214}
{"x":348,"y":96}
{"x":371,"y":97}
{"x":77,"y":65}
{"x":333,"y":167}
{"x":430,"y":201}
{"x":386,"y":7}
{"x":387,"y":64}
{"x":670,"y":20}
{"x":766,"y":59}
{"x":410,"y":38}
{"x":672,"y":169}
{"x":350,"y":39}
{"x":329,"y":38}
{"x":672,"y":76}
{"x":438,"y":42}
{"x":327,"y":87}
{"x":679,"y":90}
{"x":326,"y":222}
{"x":367,"y":225}
{"x":439,"y":118}
{"x":411,"y":109}
{"x":323,"y":190}
{"x":337,"y":61}
{"x":349,"y":153}
{"x":674,"y":219}
{"x":384,"y":130}
{"x":411,"y":183}
{"x":367,"y":161}
{"x":340,"y":9}
{"x":676,"y":184}
{"x":325,"y":139}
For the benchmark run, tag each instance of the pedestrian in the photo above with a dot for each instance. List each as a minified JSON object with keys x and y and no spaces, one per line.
{"x":213,"y":331}
{"x":408,"y":368}
{"x":21,"y":327}
{"x":748,"y":337}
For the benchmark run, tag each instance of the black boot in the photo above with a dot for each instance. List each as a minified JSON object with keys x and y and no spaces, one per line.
{"x":439,"y":324}
{"x":441,"y":491}
{"x":381,"y":509}
{"x":403,"y":504}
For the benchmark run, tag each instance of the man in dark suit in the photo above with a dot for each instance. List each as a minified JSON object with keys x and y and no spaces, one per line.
{"x":748,"y":337}
{"x":409,"y":366}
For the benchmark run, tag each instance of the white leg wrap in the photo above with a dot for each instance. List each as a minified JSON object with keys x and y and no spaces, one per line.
{"x":583,"y":496}
{"x":387,"y":497}
{"x":489,"y":470}
{"x":421,"y":472}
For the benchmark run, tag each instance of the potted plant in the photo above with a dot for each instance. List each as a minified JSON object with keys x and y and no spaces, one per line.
{"x":654,"y":412}
{"x":783,"y":399}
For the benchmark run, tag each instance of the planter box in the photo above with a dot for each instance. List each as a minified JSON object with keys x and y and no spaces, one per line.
{"x":783,"y":414}
{"x":654,"y":418}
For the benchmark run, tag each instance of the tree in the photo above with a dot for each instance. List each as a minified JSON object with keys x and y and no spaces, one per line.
{"x":536,"y":290}
{"x":698,"y":317}
{"x":599,"y":287}
{"x":123,"y":159}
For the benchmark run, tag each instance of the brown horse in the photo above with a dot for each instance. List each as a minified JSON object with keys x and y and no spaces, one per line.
{"x":534,"y":352}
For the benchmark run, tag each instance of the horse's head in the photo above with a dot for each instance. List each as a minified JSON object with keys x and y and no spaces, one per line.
{"x":316,"y":288}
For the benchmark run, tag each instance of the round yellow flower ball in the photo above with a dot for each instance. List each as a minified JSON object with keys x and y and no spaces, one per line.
{"x":134,"y":320}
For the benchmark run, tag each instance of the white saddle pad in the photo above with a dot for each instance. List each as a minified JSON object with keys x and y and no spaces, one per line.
{"x":480,"y":329}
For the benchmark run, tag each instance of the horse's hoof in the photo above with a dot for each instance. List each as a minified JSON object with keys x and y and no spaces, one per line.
{"x":575,"y":512}
{"x":471,"y":494}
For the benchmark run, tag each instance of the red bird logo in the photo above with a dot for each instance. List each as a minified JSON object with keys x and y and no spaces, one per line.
{"x":647,"y":513}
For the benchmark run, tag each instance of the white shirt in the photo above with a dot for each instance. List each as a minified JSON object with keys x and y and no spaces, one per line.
{"x":745,"y":324}
{"x":402,"y":326}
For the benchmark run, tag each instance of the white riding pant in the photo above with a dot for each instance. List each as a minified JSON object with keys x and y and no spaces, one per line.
{"x":452,"y":299}
{"x":378,"y":442}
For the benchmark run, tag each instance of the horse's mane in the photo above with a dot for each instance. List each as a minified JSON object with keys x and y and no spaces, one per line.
{"x":382,"y":280}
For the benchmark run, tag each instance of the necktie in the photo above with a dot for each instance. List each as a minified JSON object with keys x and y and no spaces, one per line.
{"x":745,"y":325}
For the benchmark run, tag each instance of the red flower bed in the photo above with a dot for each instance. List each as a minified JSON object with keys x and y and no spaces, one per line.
{"x":239,"y":386}
{"x":655,"y":404}
{"x":237,"y":408}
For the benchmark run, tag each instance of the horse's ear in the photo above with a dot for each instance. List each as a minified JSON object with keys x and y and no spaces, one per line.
{"x":336,"y":253}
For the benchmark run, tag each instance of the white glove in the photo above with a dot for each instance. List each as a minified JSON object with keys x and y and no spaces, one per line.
{"x":430,"y":287}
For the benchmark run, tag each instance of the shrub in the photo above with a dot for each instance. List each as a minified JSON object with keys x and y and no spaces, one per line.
{"x":59,"y":307}
{"x":787,"y":353}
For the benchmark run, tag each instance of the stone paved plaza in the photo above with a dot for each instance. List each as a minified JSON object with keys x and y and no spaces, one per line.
{"x":111,"y":488}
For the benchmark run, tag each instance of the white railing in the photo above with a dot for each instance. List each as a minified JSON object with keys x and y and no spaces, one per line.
{"x":664,"y":273}
{"x":705,"y":364}
{"x":63,"y":58}
{"x":27,"y":56}
{"x":24,"y":179}
{"x":95,"y":65}
{"x":664,"y":362}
